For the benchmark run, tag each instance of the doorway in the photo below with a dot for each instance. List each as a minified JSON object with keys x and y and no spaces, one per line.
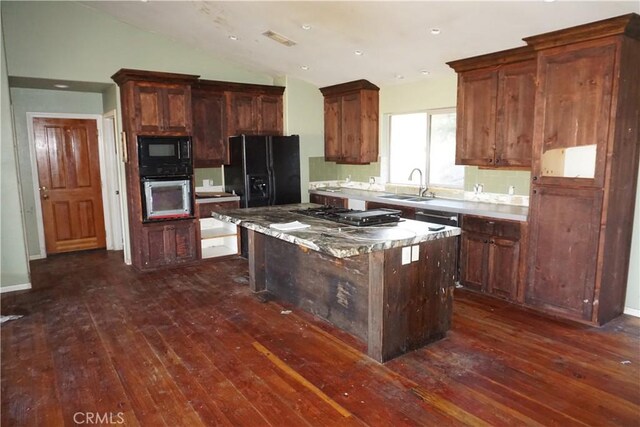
{"x":69,"y":184}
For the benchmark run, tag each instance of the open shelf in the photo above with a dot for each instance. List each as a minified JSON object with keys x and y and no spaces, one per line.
{"x":217,"y":238}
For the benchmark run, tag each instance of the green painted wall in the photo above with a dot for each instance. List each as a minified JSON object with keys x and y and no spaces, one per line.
{"x":304,"y":116}
{"x":14,"y":267}
{"x":110,"y":99}
{"x":214,"y":174}
{"x":70,"y":41}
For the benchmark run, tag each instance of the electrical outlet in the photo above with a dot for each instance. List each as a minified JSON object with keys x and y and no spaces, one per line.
{"x":372,"y":180}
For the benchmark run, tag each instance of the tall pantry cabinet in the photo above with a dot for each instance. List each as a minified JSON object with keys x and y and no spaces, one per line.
{"x":584,"y":172}
{"x":156,"y":104}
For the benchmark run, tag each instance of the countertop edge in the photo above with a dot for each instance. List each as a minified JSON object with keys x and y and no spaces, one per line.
{"x":465,"y":207}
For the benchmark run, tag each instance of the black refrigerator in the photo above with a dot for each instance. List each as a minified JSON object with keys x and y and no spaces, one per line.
{"x":264,"y":170}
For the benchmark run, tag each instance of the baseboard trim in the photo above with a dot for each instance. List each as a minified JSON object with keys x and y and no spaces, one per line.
{"x":632,"y":311}
{"x":34,"y":257}
{"x":14,"y":288}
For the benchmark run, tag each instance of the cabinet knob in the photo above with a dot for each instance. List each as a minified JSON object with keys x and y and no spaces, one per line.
{"x":490,"y":160}
{"x":492,"y":242}
{"x":497,"y":161}
{"x":535,"y":178}
{"x":535,"y":191}
{"x":485,"y":241}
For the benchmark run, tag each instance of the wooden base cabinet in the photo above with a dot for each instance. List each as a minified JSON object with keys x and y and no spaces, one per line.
{"x":490,"y":256}
{"x":565,"y":226}
{"x":168,"y":244}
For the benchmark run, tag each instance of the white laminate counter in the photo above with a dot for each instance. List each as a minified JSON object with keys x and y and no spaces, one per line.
{"x":465,"y":207}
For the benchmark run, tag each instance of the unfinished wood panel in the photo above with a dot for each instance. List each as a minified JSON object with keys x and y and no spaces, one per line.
{"x":257,"y":257}
{"x":335,"y":289}
{"x":210,"y":147}
{"x":332,"y":128}
{"x":418,"y":297}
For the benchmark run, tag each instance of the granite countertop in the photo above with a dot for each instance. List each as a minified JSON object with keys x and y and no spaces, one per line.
{"x":468,"y":207}
{"x":338,"y":240}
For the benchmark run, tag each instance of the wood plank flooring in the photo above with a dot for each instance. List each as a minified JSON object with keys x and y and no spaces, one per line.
{"x":192,"y":346}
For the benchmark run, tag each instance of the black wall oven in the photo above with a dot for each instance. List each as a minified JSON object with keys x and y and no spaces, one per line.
{"x":165,"y":198}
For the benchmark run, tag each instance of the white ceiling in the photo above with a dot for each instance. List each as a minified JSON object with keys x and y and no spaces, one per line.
{"x":394,"y":36}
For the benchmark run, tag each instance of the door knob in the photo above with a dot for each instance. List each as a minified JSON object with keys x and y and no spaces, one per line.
{"x":43,"y":188}
{"x":45,"y":196}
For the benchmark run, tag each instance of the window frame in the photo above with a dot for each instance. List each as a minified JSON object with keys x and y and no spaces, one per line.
{"x":427,"y":166}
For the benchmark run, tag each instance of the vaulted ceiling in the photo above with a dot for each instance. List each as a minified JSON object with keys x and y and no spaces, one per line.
{"x":396,"y":39}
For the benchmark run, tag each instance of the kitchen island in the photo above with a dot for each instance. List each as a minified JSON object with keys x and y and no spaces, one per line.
{"x":389,"y":285}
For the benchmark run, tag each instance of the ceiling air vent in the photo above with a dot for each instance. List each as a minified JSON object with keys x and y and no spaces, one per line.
{"x":279,"y":38}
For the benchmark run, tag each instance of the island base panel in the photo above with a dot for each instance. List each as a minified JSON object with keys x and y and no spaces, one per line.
{"x":394,"y":308}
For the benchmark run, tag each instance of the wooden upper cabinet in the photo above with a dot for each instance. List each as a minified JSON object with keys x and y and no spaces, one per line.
{"x":332,"y":127}
{"x":243,"y":114}
{"x":210,"y":147}
{"x":255,"y":110}
{"x":270,"y":112}
{"x":351,"y":122}
{"x":162,"y":108}
{"x":476,"y":118}
{"x":154,"y":102}
{"x":573,"y":113}
{"x":496,"y":98}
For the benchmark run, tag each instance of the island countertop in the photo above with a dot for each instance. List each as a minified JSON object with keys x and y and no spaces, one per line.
{"x":338,"y":240}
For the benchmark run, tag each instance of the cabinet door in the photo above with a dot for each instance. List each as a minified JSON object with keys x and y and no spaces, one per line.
{"x":243,"y":114}
{"x":177,"y":109}
{"x":514,"y":122}
{"x":476,"y":118}
{"x":210,"y":146}
{"x":563,"y":248}
{"x":148,"y":108}
{"x":332,"y":128}
{"x":503,"y":262}
{"x":182,"y":242}
{"x":573,"y":113}
{"x":473,"y":259}
{"x":317,"y":198}
{"x":351,"y":132}
{"x":270,"y":115}
{"x":154,"y":251}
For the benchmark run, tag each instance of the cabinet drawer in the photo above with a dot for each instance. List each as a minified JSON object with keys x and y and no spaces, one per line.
{"x":493,"y":227}
{"x":205,"y":209}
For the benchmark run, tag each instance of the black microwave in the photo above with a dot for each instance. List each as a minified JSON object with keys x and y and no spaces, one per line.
{"x":164,"y":155}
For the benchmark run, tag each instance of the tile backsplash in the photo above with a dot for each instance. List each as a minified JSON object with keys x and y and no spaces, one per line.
{"x":497,"y":181}
{"x":321,"y":170}
{"x":214,"y":174}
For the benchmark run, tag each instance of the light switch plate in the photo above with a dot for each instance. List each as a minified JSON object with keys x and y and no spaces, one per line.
{"x":415,"y":253}
{"x":406,"y":255}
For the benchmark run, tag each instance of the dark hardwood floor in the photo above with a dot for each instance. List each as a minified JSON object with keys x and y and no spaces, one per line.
{"x":192,"y":346}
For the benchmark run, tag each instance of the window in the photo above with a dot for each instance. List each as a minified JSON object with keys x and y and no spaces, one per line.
{"x":425,"y":140}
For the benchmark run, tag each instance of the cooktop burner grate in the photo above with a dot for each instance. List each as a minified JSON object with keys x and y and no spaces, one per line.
{"x":352,"y":216}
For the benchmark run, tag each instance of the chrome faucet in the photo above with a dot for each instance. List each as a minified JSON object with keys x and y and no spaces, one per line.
{"x":420,"y":189}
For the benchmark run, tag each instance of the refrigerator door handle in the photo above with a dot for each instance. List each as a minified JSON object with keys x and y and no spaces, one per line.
{"x":271,"y":181}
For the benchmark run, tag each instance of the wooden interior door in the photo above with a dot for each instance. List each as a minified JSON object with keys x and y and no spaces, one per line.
{"x":69,"y":181}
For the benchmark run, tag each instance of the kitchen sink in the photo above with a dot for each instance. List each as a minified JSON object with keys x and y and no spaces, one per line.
{"x":406,"y":198}
{"x":397,"y":197}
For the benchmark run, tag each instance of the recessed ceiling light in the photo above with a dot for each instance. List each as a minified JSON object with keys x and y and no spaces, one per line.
{"x":61,"y":86}
{"x":305,"y":26}
{"x":399,"y":76}
{"x":359,"y":52}
{"x":424,"y":72}
{"x":435,"y":31}
{"x":304,"y":67}
{"x":232,"y":37}
{"x":549,"y":1}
